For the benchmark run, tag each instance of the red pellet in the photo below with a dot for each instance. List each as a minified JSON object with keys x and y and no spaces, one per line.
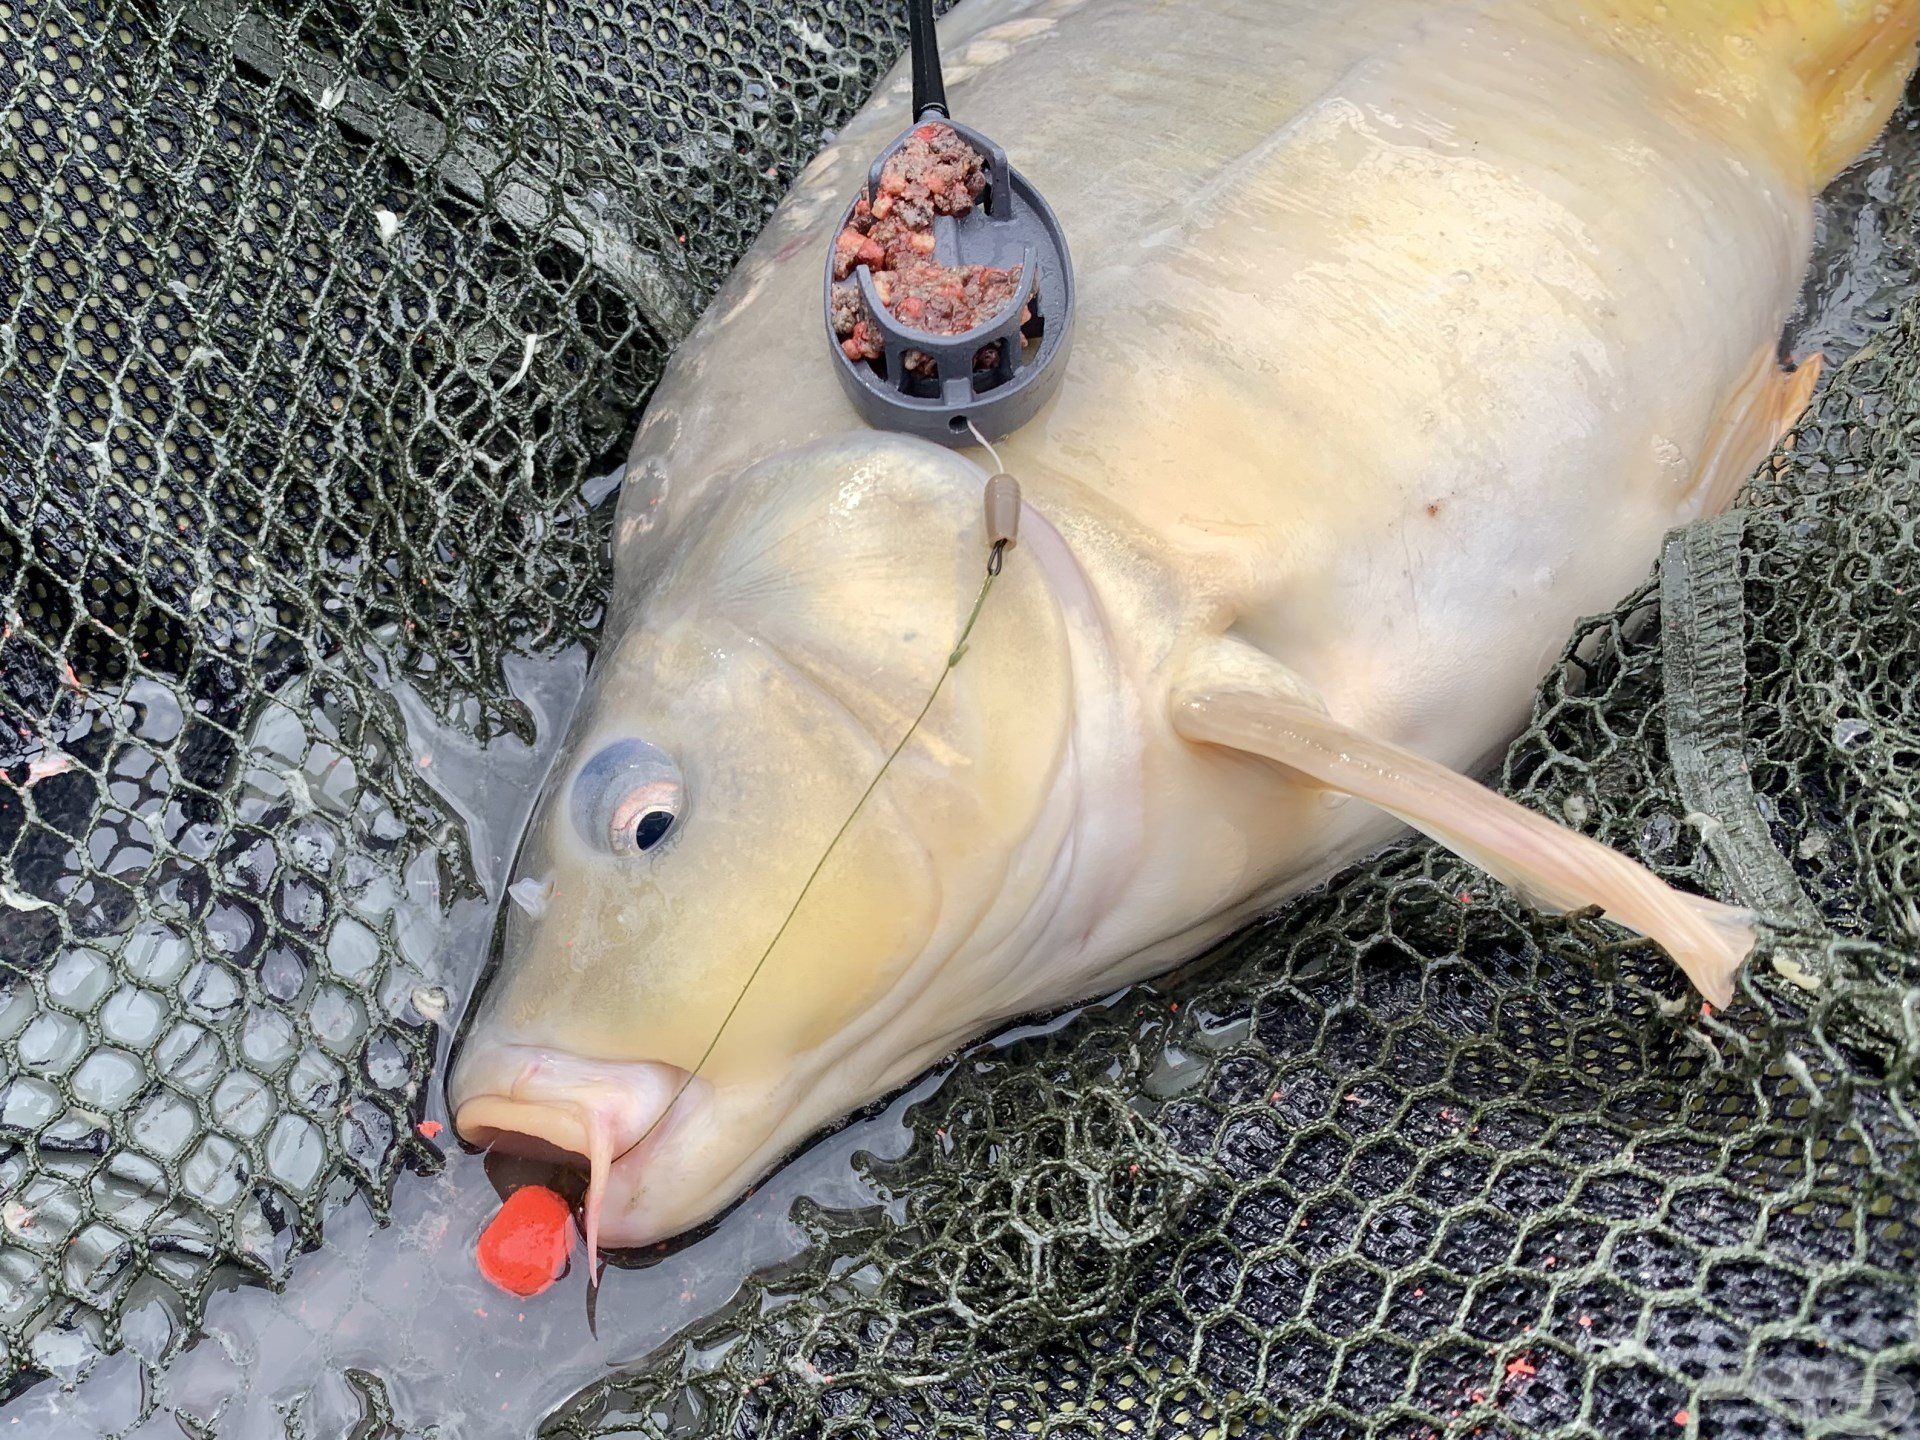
{"x":524,"y":1248}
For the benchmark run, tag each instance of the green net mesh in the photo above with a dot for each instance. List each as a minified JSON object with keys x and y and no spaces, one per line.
{"x":317,"y":324}
{"x":313,"y":321}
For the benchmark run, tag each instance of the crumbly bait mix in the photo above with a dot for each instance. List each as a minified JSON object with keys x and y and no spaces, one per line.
{"x":936,"y":172}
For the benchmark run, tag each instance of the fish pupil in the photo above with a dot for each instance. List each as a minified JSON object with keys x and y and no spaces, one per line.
{"x":652,"y":828}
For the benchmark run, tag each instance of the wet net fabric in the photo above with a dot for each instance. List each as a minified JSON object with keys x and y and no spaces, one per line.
{"x":317,"y":324}
{"x":314,"y":319}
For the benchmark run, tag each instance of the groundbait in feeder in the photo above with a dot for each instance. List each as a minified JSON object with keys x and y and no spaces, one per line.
{"x":993,"y":376}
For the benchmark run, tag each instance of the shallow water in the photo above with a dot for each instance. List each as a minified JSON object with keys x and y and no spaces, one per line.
{"x":403,"y":1303}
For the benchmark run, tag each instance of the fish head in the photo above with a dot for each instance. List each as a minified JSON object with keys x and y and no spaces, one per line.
{"x":732,"y":927}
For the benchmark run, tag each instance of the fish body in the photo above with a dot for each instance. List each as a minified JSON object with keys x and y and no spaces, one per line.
{"x":1405,"y":332}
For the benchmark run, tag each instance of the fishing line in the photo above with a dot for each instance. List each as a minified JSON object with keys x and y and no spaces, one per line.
{"x":992,"y":449}
{"x":600,"y":1162}
{"x":953,"y":659}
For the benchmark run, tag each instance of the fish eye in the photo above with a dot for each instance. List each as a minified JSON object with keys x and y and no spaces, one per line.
{"x":628,"y":797}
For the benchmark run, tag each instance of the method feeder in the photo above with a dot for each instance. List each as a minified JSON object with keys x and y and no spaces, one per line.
{"x":1011,"y":224}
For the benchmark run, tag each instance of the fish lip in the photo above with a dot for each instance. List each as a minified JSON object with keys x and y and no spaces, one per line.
{"x":545,"y":1103}
{"x":609,"y":1115}
{"x":514,"y":1127}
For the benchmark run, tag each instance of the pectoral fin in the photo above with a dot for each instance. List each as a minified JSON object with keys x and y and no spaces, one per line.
{"x":1240,"y":699}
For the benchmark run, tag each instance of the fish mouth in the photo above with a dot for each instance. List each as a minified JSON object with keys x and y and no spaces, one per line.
{"x":596,"y":1115}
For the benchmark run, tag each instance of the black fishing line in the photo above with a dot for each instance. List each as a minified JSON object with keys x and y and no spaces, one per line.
{"x":954,"y":656}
